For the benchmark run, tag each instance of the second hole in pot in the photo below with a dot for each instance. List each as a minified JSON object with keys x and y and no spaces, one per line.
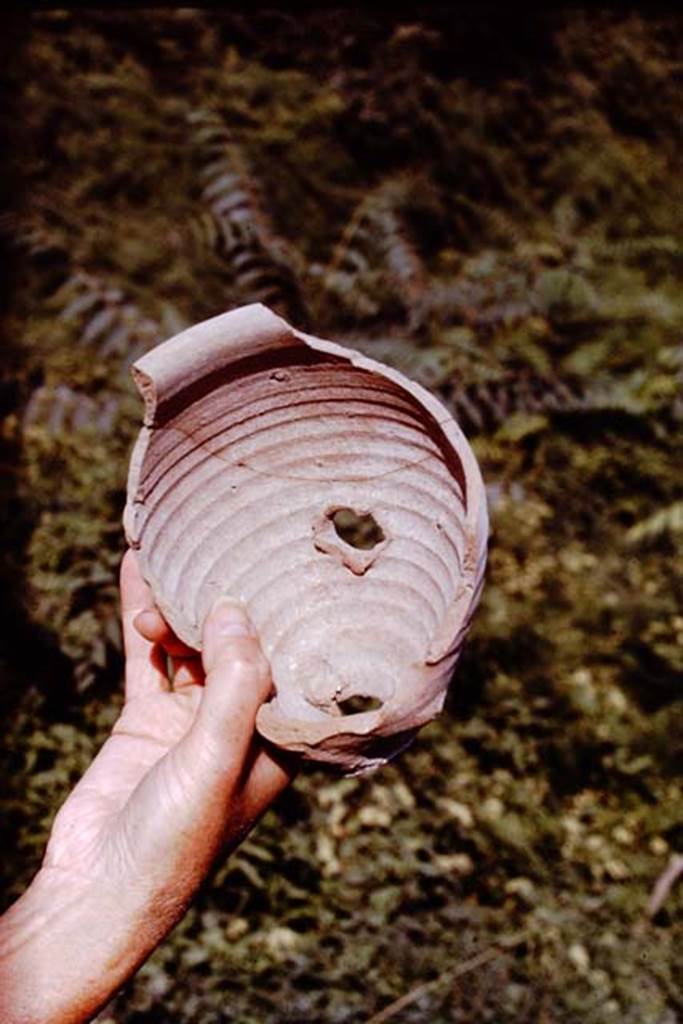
{"x":358,"y":704}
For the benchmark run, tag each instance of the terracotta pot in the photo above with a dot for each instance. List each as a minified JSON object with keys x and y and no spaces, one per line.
{"x":258,"y":443}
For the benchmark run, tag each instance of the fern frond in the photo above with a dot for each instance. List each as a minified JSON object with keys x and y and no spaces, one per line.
{"x":236,"y":225}
{"x":64,"y":409}
{"x":671,"y":358}
{"x":376,"y":251}
{"x":44,"y":247}
{"x":430,"y":367}
{"x":106,"y":319}
{"x":459,"y":300}
{"x":633,"y":250}
{"x":492,"y":221}
{"x":34,"y":238}
{"x":487,"y":405}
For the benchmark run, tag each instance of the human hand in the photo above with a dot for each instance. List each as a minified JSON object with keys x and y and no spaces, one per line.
{"x":181,"y":773}
{"x":181,"y":777}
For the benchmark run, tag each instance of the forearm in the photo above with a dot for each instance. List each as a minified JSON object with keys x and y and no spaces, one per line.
{"x":67,"y":945}
{"x":179,"y":780}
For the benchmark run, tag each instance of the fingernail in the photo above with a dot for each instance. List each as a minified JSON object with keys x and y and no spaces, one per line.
{"x":146,"y":618}
{"x":231,"y":618}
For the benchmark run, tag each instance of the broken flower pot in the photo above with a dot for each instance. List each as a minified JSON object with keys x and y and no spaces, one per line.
{"x":258,"y":441}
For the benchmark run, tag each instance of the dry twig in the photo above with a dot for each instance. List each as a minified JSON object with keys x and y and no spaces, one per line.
{"x":484,"y":957}
{"x":664,"y":884}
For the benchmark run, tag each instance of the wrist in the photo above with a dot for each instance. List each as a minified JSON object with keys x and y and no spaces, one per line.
{"x":68,"y":943}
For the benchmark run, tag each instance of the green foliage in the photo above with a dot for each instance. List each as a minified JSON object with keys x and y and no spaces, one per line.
{"x":665,"y":519}
{"x":259,"y":263}
{"x":495,"y":210}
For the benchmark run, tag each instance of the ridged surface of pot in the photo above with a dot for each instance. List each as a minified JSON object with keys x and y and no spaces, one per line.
{"x":255,"y":437}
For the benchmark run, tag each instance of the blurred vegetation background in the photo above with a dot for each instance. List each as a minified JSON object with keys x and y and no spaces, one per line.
{"x":490,"y":202}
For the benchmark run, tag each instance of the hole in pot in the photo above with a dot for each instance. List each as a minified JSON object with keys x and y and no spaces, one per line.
{"x":358,"y":704}
{"x":358,"y":531}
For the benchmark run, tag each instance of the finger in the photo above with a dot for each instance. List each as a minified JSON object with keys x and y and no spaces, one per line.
{"x":153,"y":626}
{"x":201,"y":793}
{"x":267,"y":774}
{"x":135,"y":597}
{"x":187,"y":672}
{"x":145,"y":664}
{"x":237,"y":680}
{"x":271,"y":773}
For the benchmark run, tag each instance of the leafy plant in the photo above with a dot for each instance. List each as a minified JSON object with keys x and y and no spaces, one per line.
{"x":491,"y":206}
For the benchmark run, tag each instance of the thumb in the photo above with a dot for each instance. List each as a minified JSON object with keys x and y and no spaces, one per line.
{"x":192,"y":799}
{"x":237,"y":678}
